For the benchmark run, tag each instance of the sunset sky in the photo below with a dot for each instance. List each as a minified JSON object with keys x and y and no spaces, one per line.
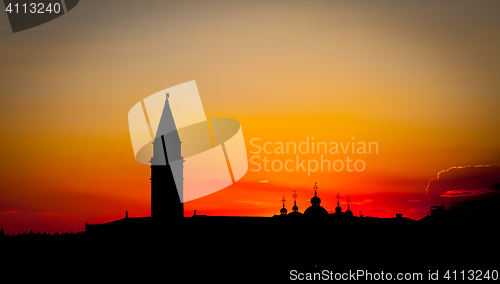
{"x":420,"y":78}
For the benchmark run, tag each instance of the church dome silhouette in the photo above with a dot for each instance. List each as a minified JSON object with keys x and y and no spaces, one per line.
{"x":295,"y":208}
{"x":283,"y":210}
{"x":348,"y":213}
{"x":338,"y":209}
{"x":315,"y":209}
{"x":315,"y":200}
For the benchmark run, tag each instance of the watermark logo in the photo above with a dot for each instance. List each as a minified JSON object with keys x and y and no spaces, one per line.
{"x":170,"y":128}
{"x":24,"y":15}
{"x":325,"y":155}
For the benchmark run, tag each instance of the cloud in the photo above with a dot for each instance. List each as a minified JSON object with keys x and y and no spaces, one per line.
{"x":474,"y":189}
{"x":263,"y":181}
{"x":466,"y":192}
{"x":358,"y":203}
{"x":11,"y":211}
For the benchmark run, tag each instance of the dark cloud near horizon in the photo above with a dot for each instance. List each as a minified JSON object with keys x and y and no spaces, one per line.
{"x":471,"y":189}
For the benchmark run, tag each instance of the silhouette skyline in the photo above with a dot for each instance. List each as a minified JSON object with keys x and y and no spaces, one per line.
{"x":314,"y":240}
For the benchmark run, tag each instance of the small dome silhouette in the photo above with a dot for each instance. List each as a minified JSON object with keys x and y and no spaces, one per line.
{"x":338,"y":209}
{"x":348,"y":213}
{"x":315,"y":200}
{"x":283,"y":210}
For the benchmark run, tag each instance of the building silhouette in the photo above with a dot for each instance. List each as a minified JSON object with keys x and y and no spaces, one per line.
{"x":316,"y":210}
{"x":166,"y":195}
{"x":283,"y":210}
{"x":437,"y":211}
{"x":363,"y":241}
{"x":295,"y":209}
{"x":167,"y":190}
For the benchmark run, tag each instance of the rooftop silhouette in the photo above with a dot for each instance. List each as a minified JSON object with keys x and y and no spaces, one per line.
{"x":314,"y":238}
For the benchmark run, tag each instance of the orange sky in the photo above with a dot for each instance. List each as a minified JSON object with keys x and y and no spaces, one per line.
{"x":419,"y":78}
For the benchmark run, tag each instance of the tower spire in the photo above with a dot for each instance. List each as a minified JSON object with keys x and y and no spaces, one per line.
{"x":338,"y":209}
{"x":348,"y":213}
{"x":166,"y":194}
{"x":315,"y":201}
{"x":295,"y":208}
{"x":283,"y":210}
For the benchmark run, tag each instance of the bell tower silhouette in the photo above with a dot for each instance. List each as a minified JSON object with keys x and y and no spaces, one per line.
{"x":167,"y":166}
